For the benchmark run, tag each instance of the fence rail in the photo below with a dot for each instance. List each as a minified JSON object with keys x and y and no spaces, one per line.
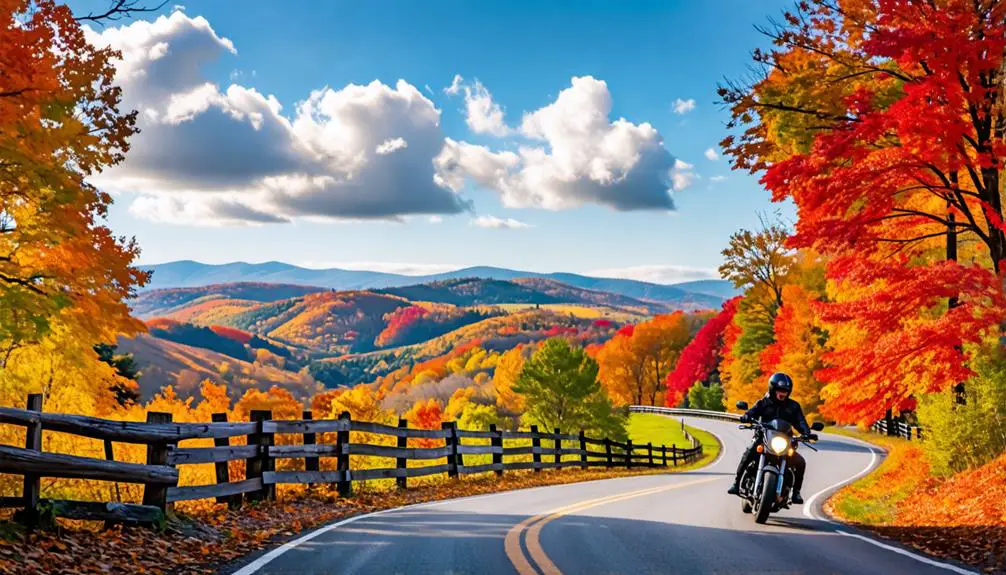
{"x":897,"y":429}
{"x":159,"y":474}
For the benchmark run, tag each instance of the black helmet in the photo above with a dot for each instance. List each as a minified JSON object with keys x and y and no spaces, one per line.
{"x":779,"y":382}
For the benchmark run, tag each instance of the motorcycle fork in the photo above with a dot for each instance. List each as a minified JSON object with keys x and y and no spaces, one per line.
{"x":761,"y":465}
{"x":782,"y":476}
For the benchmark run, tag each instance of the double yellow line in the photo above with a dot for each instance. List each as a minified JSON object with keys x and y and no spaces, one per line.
{"x":533,"y":526}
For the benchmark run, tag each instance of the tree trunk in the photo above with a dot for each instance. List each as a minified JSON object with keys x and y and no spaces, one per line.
{"x":952,"y":256}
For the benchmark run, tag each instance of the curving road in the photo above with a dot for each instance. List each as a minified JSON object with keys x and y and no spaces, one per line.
{"x":671,"y":523}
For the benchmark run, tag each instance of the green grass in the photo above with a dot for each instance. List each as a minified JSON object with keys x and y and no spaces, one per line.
{"x":876,"y":498}
{"x":660,"y":429}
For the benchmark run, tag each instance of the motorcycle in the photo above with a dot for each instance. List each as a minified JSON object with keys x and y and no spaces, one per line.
{"x":766,"y":483}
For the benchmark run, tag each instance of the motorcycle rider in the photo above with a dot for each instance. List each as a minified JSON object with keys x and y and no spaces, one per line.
{"x":776,"y":405}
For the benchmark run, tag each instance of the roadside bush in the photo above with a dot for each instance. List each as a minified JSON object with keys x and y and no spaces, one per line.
{"x":962,"y":436}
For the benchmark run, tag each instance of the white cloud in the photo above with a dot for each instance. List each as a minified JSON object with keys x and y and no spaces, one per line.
{"x":683,"y":106}
{"x":210,"y":154}
{"x":455,"y":86}
{"x":435,"y":219}
{"x":717,"y":178}
{"x":576,"y":156}
{"x":682,"y":175}
{"x":388,"y":146}
{"x":213,"y":156}
{"x":659,"y":274}
{"x":403,"y":268}
{"x":711,"y":154}
{"x":483,"y":115}
{"x":499,"y":223}
{"x":428,"y":89}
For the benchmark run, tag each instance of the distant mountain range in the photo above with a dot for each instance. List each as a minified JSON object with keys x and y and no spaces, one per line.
{"x":702,"y":293}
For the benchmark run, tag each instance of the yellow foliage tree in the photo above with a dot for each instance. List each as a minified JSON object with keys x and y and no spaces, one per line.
{"x":507,"y":372}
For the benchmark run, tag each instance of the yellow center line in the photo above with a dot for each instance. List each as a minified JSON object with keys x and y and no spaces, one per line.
{"x":512,"y":542}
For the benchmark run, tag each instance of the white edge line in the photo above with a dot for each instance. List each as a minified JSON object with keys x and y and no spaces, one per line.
{"x":808,"y":511}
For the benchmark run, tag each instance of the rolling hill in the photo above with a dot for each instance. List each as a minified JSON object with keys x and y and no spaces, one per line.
{"x":195,"y":274}
{"x":162,"y":362}
{"x":481,"y":291}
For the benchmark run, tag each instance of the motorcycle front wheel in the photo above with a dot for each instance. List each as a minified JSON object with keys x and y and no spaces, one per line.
{"x":766,"y":498}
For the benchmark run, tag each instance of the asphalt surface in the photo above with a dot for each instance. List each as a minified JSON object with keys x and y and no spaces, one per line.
{"x":668,"y":523}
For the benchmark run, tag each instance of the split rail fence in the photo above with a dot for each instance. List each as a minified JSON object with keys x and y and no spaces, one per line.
{"x":164,"y":441}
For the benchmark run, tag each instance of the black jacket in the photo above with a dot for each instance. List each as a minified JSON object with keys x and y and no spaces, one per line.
{"x":767,"y":409}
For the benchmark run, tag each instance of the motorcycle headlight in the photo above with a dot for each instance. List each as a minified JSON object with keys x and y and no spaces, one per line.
{"x":779,"y":444}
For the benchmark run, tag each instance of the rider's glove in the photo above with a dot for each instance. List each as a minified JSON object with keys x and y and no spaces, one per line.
{"x":745,"y":419}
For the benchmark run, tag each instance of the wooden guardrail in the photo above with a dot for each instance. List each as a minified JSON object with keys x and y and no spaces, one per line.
{"x":163,"y":438}
{"x":897,"y":429}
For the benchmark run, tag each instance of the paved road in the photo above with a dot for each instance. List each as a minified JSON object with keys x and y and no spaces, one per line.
{"x":670,"y":523}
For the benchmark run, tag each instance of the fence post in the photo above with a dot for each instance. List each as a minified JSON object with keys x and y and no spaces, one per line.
{"x":628,"y":454}
{"x":674,"y":455}
{"x":402,"y":462}
{"x":649,"y":452}
{"x":310,"y":463}
{"x":261,"y":462}
{"x":497,"y":441}
{"x":32,"y":483}
{"x":583,"y":450}
{"x":459,"y":458}
{"x":157,"y":454}
{"x":663,"y":454}
{"x":222,"y":467}
{"x":535,"y":449}
{"x":607,"y":453}
{"x":342,"y":448}
{"x":558,"y":448}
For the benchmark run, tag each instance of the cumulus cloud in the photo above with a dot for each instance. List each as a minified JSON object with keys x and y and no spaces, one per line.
{"x":498,"y":223}
{"x":659,"y":274}
{"x":682,"y":175}
{"x":575,"y":155}
{"x":683,"y":106}
{"x":210,"y":154}
{"x":482,"y":114}
{"x":390,"y":146}
{"x":213,"y":155}
{"x":711,"y":154}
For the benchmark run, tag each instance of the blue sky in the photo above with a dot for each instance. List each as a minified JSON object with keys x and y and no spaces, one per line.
{"x":195,"y":190}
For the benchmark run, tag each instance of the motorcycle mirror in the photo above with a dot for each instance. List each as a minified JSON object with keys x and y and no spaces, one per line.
{"x":742,"y":405}
{"x":817,"y":426}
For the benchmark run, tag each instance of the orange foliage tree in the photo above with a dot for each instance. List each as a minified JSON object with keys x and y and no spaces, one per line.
{"x":59,"y":123}
{"x":882,"y":122}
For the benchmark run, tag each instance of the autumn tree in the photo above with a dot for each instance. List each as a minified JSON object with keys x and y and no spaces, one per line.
{"x":699,"y":363}
{"x":560,"y":389}
{"x":59,"y":123}
{"x":635,"y":362}
{"x":759,"y":258}
{"x":883,"y":123}
{"x":508,"y":369}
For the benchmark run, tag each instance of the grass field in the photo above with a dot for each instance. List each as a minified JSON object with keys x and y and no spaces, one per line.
{"x":660,"y":429}
{"x":581,"y":311}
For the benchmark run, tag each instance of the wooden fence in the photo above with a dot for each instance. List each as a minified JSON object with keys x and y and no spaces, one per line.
{"x":165,"y":452}
{"x":897,"y":428}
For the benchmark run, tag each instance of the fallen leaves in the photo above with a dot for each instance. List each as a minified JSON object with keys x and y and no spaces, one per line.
{"x":962,"y":517}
